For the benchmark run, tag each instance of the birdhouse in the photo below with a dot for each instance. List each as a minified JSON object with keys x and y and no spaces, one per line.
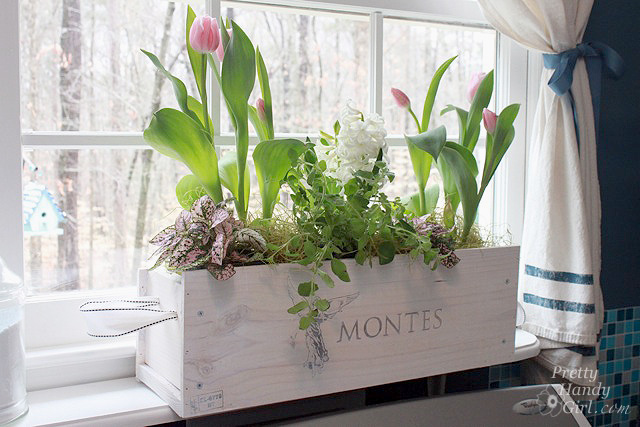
{"x":41,"y":214}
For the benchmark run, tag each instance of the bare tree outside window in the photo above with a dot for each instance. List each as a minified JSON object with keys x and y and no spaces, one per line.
{"x":82,"y":70}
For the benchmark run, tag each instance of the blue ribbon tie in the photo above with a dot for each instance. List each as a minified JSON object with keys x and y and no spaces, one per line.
{"x":596,"y":55}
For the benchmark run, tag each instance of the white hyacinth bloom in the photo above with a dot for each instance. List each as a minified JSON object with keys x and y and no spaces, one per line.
{"x":360,"y":139}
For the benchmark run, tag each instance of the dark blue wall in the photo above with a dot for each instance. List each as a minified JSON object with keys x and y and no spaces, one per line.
{"x":617,"y":23}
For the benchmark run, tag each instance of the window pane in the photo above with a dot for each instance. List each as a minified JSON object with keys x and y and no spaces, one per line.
{"x":81,"y":65}
{"x":316,"y":62}
{"x":412,"y":53}
{"x":89,"y":215}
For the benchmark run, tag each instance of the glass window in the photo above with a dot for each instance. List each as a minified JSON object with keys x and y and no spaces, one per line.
{"x":412,"y":53}
{"x":82,"y":70}
{"x":81,"y":65}
{"x":89,"y":215}
{"x":316,"y":62}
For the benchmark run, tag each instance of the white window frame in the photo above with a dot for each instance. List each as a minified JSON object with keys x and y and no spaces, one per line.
{"x":55,"y":335}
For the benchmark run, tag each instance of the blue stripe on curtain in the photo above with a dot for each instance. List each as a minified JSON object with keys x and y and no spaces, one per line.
{"x":559,"y":276}
{"x":583,"y":350}
{"x":557,"y":304}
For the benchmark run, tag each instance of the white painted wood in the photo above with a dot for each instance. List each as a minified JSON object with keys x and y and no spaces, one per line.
{"x":121,"y":402}
{"x":509,"y":181}
{"x":376,"y":63}
{"x":11,"y":158}
{"x":166,"y":337}
{"x":242,"y":349}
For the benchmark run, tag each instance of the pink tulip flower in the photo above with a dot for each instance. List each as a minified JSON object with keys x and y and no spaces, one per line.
{"x":489,"y":119}
{"x":474,"y":84}
{"x":260,"y":108}
{"x":220,"y":50}
{"x":204,"y":35}
{"x":401,"y":98}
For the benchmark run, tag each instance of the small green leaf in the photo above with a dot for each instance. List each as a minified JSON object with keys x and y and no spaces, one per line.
{"x":272,"y":247}
{"x":351,"y":187}
{"x":322,"y":305}
{"x":305,"y":322}
{"x":340,"y":269}
{"x":306,"y":289}
{"x":336,"y":127}
{"x":310,"y":249}
{"x":295,"y":242}
{"x":361,"y":257}
{"x":386,"y":252}
{"x":326,"y":278}
{"x":298,"y":307}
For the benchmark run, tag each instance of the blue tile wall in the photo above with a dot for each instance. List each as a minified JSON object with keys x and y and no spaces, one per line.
{"x":618,"y":365}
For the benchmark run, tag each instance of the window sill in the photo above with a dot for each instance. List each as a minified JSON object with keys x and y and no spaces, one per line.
{"x":117,"y":402}
{"x":65,"y":366}
{"x":82,"y":397}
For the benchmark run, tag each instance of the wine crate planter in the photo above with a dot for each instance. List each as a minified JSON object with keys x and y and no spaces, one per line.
{"x":234,"y":345}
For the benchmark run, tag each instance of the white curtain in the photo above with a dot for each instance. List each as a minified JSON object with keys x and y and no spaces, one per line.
{"x":559,"y":284}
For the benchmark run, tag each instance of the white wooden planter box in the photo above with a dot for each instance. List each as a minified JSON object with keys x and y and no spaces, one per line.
{"x":234,"y":346}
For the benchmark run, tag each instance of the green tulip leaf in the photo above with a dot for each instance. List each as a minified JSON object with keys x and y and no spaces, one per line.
{"x":258,"y":126}
{"x":273,"y":159}
{"x":263,"y":78}
{"x":499,"y":143}
{"x":237,"y":78}
{"x":179,"y":89}
{"x":433,"y":90}
{"x":175,"y":134}
{"x":188,"y":190}
{"x":480,"y":102}
{"x":462,"y":119}
{"x":460,"y":163}
{"x":196,"y":107}
{"x":228,"y":167}
{"x":412,"y":202}
{"x":431,"y":141}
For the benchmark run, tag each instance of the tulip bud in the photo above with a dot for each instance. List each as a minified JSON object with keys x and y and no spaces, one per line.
{"x":260,"y":108}
{"x":204,"y":35}
{"x":474,"y":84}
{"x":220,"y":50}
{"x":401,"y":98}
{"x":489,"y":119}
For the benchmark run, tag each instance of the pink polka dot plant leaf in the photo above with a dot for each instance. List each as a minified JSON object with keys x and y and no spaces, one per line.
{"x":207,"y":236}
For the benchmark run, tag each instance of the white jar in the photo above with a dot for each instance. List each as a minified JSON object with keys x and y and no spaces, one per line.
{"x":13,"y":392}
